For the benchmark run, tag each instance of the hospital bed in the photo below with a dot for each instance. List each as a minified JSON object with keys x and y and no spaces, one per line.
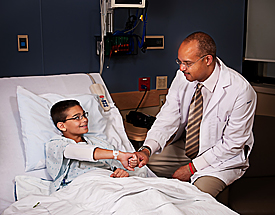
{"x":24,"y":127}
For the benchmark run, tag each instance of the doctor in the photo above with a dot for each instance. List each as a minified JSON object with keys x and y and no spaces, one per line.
{"x":220,"y":135}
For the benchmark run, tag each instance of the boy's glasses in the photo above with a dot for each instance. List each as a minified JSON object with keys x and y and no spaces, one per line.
{"x":79,"y":117}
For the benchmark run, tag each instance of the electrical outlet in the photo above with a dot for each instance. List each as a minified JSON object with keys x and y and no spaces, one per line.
{"x":161,"y":83}
{"x":143,"y":84}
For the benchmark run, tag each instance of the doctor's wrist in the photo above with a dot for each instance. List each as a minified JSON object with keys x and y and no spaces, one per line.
{"x":192,"y":168}
{"x":146,"y":149}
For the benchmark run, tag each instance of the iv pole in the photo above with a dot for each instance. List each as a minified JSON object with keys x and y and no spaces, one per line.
{"x":106,"y":27}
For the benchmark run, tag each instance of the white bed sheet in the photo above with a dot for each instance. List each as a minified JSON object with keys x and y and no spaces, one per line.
{"x":96,"y":193}
{"x":12,"y":158}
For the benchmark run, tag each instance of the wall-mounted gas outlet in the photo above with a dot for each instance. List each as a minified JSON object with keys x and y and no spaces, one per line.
{"x":161,"y":83}
{"x":143,"y":84}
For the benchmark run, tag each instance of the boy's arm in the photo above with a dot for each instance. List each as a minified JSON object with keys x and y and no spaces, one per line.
{"x":93,"y":153}
{"x":80,"y":152}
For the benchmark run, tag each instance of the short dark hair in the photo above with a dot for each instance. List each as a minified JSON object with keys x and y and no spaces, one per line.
{"x":206,"y":43}
{"x":58,"y":110}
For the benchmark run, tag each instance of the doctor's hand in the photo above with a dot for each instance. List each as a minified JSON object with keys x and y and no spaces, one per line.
{"x":183,"y":173}
{"x":142,"y":157}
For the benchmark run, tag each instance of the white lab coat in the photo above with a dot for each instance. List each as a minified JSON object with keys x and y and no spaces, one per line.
{"x":226,"y":125}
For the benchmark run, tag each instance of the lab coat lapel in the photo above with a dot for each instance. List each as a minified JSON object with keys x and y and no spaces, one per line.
{"x":219,"y":92}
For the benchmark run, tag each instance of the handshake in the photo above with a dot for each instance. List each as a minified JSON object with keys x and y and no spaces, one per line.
{"x":127,"y":159}
{"x":130,"y":161}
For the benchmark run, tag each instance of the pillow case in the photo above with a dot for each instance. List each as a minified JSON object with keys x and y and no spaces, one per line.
{"x":37,"y":126}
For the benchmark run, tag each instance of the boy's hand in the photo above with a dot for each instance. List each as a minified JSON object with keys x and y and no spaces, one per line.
{"x":133,"y":161}
{"x":124,"y":157}
{"x":119,"y":173}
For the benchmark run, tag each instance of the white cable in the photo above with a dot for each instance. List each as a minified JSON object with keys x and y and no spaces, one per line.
{"x":91,"y":77}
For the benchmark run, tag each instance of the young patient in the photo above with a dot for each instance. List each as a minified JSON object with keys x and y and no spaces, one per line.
{"x":73,"y":154}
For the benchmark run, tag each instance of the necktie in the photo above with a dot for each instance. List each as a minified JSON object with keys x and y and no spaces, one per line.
{"x":194,"y":121}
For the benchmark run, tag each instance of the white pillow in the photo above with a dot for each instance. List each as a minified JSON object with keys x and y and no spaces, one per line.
{"x":38,"y":128}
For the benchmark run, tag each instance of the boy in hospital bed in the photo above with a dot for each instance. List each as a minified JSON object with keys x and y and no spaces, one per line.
{"x":73,"y":153}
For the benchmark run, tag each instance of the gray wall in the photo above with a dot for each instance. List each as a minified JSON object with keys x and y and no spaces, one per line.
{"x":61,"y":37}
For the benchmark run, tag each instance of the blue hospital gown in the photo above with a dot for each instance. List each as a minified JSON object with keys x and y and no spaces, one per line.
{"x":63,"y":170}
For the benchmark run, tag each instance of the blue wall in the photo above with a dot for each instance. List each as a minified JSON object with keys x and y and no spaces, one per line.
{"x":62,"y":37}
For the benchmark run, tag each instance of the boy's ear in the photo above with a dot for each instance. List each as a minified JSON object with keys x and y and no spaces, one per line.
{"x":61,"y":126}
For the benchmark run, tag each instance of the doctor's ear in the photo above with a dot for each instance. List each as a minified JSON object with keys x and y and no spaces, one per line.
{"x":61,"y":126}
{"x":209,"y":59}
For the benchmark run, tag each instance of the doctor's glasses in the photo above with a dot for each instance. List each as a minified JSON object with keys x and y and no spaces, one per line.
{"x":188,"y":64}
